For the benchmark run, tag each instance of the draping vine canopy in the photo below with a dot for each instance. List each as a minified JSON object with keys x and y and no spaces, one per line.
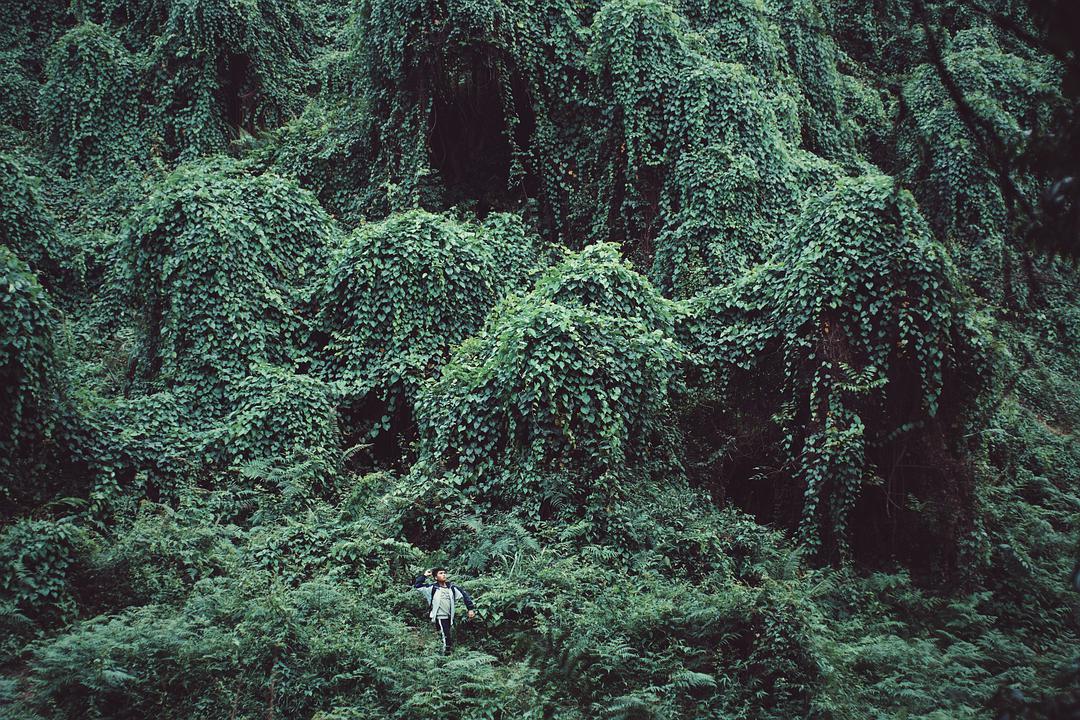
{"x":728,"y":351}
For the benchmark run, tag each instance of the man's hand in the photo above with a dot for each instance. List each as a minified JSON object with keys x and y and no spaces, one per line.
{"x":427,"y":573}
{"x":472,"y":614}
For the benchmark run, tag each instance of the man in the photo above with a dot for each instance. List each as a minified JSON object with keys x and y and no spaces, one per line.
{"x":441,"y":596}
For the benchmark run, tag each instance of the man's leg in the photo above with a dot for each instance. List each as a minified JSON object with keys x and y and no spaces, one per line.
{"x":444,"y":632}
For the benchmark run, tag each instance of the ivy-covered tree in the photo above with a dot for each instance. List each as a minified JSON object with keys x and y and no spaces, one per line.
{"x":560,"y":406}
{"x":225,"y":67}
{"x":701,"y":168}
{"x":26,"y":227}
{"x":479,"y":74}
{"x":866,"y":311}
{"x":400,"y":294}
{"x":218,"y":263}
{"x":28,"y":376}
{"x":31,"y":29}
{"x":213,"y":69}
{"x":965,"y":190}
{"x":89,"y":103}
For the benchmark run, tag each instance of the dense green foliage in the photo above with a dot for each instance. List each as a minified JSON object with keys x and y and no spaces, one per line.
{"x":560,"y":406}
{"x":864,"y":309}
{"x":724,"y":350}
{"x":218,"y":262}
{"x":89,"y":105}
{"x":27,"y":372}
{"x":957,"y":187}
{"x":401,"y":292}
{"x":210,"y":69}
{"x":25,"y":227}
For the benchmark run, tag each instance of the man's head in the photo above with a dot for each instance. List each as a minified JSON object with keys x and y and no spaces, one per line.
{"x":439,"y":574}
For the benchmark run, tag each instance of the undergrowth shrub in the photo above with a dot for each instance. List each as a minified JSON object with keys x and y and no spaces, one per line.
{"x":161,"y":553}
{"x":1028,"y":519}
{"x":37,"y":559}
{"x":626,"y":640}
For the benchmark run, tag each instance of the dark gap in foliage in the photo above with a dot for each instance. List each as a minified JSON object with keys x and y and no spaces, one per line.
{"x":886,"y":526}
{"x":237,"y":97}
{"x":755,"y":485}
{"x":729,"y":459}
{"x":388,"y":447}
{"x":916,"y":516}
{"x":924,"y":504}
{"x":524,"y":130}
{"x":469,"y":141}
{"x":729,"y":452}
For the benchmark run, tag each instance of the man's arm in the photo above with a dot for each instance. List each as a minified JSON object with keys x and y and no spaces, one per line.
{"x":468,"y":600}
{"x":420,"y":583}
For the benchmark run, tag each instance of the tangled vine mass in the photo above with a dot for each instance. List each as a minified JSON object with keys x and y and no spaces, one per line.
{"x":725,"y":349}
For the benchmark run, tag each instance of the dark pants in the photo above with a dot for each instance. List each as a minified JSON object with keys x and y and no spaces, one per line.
{"x":446,"y":631}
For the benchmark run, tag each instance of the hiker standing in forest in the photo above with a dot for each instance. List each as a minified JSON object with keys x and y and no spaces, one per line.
{"x":442,"y":596}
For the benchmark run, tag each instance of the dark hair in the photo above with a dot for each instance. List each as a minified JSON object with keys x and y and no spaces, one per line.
{"x":436,"y":571}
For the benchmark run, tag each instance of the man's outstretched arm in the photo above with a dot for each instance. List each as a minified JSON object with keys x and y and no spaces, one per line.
{"x":468,"y":600}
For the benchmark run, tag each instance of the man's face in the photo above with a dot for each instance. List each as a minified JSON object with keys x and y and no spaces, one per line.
{"x":440,"y":576}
